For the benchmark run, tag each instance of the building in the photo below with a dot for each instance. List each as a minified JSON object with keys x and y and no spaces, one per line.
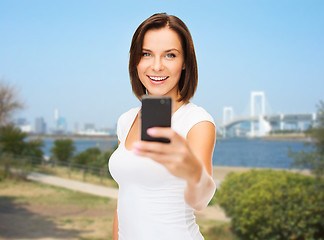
{"x":89,"y":127}
{"x":23,"y":125}
{"x":60,"y":123}
{"x":21,"y":122}
{"x":40,"y":126}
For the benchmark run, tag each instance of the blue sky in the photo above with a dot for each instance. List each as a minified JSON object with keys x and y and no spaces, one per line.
{"x":73,"y":55}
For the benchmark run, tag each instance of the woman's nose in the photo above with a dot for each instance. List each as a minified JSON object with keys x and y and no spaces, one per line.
{"x":157,"y":64}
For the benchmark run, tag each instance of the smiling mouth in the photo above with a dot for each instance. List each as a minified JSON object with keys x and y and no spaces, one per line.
{"x":158,"y":78}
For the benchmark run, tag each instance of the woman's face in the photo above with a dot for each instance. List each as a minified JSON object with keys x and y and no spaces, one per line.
{"x":161,"y":63}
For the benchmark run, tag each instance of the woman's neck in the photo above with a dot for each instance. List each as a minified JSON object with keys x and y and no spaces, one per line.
{"x":177,"y":105}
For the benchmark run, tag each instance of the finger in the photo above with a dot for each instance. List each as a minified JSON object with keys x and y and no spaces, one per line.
{"x":159,"y":158}
{"x":163,"y":132}
{"x":168,"y":161}
{"x":154,"y":147}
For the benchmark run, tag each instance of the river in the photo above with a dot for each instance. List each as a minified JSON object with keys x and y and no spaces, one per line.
{"x":228,"y":152}
{"x":255,"y":153}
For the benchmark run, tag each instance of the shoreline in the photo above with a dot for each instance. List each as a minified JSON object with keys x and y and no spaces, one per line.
{"x":74,"y":137}
{"x":292,"y":137}
{"x":220,"y":172}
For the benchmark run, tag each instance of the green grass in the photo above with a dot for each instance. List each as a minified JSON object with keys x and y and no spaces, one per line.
{"x":50,"y":195}
{"x":62,"y":171}
{"x":97,"y":227}
{"x":75,"y":175}
{"x":214,"y":230}
{"x":92,"y":239}
{"x":89,"y":216}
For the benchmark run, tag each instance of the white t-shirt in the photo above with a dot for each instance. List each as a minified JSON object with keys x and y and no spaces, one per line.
{"x":151,"y":203}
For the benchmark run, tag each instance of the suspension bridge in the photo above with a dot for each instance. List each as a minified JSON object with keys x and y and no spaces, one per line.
{"x":259,"y":123}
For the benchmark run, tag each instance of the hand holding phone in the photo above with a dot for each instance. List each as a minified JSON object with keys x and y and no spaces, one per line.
{"x":156,"y":112}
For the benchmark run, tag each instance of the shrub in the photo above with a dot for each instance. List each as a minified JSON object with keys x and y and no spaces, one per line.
{"x":63,"y":149}
{"x":12,"y":140}
{"x":88,"y":156}
{"x":219,"y":231}
{"x":269,"y":204}
{"x":95,"y":158}
{"x":313,"y":160}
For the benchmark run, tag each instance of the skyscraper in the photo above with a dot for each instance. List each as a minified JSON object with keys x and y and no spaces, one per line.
{"x":60,"y":123}
{"x":40,"y":126}
{"x":56,"y":115}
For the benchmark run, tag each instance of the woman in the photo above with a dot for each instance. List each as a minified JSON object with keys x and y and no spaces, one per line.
{"x":160,"y":185}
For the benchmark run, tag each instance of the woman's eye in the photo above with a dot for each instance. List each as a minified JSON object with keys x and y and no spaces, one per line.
{"x":170,"y":55}
{"x":145,"y":54}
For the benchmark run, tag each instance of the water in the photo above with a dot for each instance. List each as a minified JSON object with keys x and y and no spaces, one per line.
{"x":255,"y":153}
{"x":82,"y":145}
{"x":228,"y":152}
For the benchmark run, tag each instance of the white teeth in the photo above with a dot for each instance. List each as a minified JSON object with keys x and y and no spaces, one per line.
{"x":157,"y":78}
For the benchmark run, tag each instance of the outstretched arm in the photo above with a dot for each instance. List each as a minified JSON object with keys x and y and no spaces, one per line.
{"x":200,"y":190}
{"x":115,"y":226}
{"x":190,"y":159}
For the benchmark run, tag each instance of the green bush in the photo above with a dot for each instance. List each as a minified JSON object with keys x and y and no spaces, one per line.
{"x":63,"y":149}
{"x":314,"y":159}
{"x":88,"y":156}
{"x":94,"y":157}
{"x":269,"y":204}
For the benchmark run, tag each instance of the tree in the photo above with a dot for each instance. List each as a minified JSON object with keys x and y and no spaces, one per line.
{"x":88,"y":156}
{"x":103,"y":159}
{"x":33,"y":149}
{"x":63,"y":149}
{"x":13,"y":141}
{"x":313,"y":160}
{"x":318,"y":132}
{"x":9,"y":102}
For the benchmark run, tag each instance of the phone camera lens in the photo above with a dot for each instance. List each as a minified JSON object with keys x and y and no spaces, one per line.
{"x":162,"y":101}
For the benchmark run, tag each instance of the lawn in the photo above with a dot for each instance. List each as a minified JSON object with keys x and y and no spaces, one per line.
{"x":31,"y":210}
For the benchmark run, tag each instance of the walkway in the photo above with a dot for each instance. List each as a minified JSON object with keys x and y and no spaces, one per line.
{"x":213,"y":212}
{"x":74,"y":185}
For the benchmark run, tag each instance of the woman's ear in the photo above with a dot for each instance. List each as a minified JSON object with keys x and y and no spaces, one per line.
{"x":183,"y":66}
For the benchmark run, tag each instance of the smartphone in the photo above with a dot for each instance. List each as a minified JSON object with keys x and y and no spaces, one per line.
{"x":156,"y":112}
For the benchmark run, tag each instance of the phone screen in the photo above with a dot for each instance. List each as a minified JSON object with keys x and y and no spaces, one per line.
{"x":156,"y":112}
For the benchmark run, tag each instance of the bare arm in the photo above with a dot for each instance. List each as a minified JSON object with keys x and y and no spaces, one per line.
{"x":190,"y":159}
{"x":201,"y":188}
{"x":115,"y":222}
{"x":115,"y":226}
{"x":198,"y":194}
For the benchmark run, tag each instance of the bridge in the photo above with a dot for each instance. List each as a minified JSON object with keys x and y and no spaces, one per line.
{"x":259,"y":124}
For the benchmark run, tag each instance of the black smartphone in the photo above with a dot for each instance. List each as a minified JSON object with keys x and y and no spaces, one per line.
{"x":156,"y":112}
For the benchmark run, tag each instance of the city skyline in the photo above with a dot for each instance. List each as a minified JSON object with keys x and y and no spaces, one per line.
{"x":40,"y":126}
{"x":73,"y":55}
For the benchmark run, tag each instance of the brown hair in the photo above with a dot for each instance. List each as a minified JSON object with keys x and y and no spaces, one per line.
{"x":189,"y":76}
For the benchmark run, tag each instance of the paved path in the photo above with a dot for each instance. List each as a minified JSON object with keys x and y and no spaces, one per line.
{"x":210,"y":212}
{"x":74,"y":185}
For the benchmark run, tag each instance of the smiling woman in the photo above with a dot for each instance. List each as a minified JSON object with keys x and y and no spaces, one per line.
{"x":162,"y":184}
{"x":162,"y":62}
{"x":172,"y":26}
